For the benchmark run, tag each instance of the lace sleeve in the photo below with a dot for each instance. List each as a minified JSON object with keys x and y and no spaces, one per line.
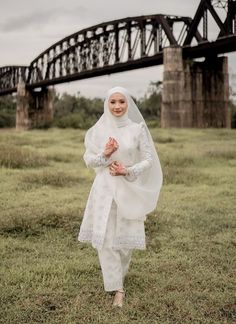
{"x":96,"y":160}
{"x":146,"y":157}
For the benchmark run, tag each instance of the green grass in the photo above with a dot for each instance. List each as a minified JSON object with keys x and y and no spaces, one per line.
{"x":186,"y":275}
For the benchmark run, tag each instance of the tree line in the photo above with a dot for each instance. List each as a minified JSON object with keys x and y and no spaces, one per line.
{"x":77,"y":111}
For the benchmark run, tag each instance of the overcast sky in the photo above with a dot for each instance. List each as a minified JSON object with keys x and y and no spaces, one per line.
{"x":29,"y":27}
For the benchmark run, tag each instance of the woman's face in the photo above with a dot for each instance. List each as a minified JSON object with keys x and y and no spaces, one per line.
{"x":117,"y":104}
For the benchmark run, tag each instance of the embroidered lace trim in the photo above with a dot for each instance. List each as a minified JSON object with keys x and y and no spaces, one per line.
{"x":95,"y":161}
{"x":96,"y":239}
{"x":113,"y":285}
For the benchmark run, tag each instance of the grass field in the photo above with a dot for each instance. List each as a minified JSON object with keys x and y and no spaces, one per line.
{"x":186,"y":275}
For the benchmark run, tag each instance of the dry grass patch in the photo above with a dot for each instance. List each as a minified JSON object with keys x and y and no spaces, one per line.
{"x":223,"y":153}
{"x":57,"y":179}
{"x":18,"y":158}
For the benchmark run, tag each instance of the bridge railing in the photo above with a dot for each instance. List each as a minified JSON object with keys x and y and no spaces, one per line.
{"x":10,"y":76}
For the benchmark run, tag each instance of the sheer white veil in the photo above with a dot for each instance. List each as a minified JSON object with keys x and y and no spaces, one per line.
{"x":138,"y":198}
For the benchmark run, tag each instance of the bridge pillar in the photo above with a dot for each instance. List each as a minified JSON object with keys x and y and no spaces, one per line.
{"x":34,"y":108}
{"x":195,"y":94}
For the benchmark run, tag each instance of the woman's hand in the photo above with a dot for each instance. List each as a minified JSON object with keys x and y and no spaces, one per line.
{"x":116,"y":169}
{"x":111,"y":146}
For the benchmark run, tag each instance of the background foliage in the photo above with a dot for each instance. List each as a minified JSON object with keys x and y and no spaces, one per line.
{"x":77,"y":111}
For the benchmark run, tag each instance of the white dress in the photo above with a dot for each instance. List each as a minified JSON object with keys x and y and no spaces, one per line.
{"x":129,"y":234}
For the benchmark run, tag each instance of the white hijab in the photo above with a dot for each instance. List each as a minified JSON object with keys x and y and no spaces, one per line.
{"x":134,"y":199}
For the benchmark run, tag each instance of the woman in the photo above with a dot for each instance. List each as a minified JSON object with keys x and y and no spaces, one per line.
{"x":120,"y":149}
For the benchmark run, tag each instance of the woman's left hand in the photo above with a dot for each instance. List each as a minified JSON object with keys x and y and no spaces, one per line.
{"x":116,"y":168}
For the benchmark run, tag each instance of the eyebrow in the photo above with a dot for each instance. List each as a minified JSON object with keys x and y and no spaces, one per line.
{"x":117,"y":99}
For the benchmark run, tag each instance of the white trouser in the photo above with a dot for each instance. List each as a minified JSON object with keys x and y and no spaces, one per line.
{"x":114,"y":263}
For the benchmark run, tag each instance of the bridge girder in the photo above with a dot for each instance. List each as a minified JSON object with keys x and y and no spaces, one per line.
{"x":124,"y":44}
{"x":206,"y":7}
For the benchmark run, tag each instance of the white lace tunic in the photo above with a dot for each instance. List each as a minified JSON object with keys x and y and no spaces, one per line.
{"x":129,"y":233}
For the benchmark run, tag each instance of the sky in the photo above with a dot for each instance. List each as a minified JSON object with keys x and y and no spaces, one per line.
{"x":28,"y":27}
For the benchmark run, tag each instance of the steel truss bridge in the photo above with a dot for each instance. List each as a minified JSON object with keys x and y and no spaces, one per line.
{"x":126,"y":44}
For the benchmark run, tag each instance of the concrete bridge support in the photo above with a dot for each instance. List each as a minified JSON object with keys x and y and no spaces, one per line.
{"x":195,"y":94}
{"x":34,"y":108}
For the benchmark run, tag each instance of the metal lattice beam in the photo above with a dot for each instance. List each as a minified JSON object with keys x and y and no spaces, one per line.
{"x":209,"y":6}
{"x":10,"y":76}
{"x":125,"y":44}
{"x":112,"y":46}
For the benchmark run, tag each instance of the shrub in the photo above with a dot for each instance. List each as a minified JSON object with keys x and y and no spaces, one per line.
{"x":75,"y":120}
{"x":153,"y":123}
{"x":7,"y":119}
{"x":233,"y":115}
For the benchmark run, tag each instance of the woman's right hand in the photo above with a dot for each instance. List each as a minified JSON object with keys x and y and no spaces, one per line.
{"x":111,"y":146}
